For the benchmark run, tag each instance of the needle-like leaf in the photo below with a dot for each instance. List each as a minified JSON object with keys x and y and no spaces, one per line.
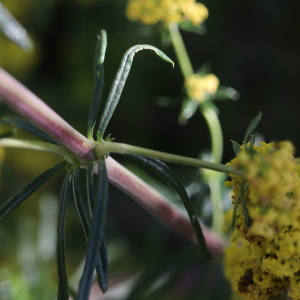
{"x":26,"y":191}
{"x":97,"y":227}
{"x":90,"y":186}
{"x":251,"y":127}
{"x":25,"y":125}
{"x":13,"y":29}
{"x":99,"y":80}
{"x":119,"y":82}
{"x":236,"y":147}
{"x":8,"y":133}
{"x":170,"y":176}
{"x":102,"y":264}
{"x":63,"y":289}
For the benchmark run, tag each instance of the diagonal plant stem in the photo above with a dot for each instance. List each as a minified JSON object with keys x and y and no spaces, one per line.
{"x":24,"y":102}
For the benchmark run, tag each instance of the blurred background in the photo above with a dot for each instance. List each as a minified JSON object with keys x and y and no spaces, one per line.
{"x":253,"y":46}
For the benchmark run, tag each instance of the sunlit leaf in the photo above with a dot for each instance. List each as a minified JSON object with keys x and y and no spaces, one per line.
{"x":119,"y":83}
{"x":13,"y":29}
{"x":236,"y":147}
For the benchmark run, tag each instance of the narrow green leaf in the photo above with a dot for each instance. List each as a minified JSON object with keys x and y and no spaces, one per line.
{"x":8,"y":133}
{"x":97,"y":227}
{"x":252,"y":141}
{"x":119,"y":82}
{"x":170,"y":176}
{"x":188,"y":109}
{"x":90,"y":186}
{"x":189,"y":27}
{"x":25,"y":125}
{"x":236,"y":147}
{"x":226,"y":93}
{"x":251,"y":127}
{"x":79,"y":203}
{"x":11,"y":177}
{"x":99,"y":80}
{"x":63,"y":288}
{"x":26,"y":191}
{"x":102,"y":264}
{"x":13,"y":29}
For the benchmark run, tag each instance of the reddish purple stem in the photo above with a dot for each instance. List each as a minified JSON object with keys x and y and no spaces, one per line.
{"x":24,"y":102}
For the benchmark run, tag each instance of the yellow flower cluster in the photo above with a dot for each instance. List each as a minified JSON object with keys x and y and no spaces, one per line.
{"x":263,"y":258}
{"x":199,"y":88}
{"x":150,"y":12}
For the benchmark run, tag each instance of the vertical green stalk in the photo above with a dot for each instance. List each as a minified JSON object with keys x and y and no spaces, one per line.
{"x":180,"y":50}
{"x":215,"y":130}
{"x":216,"y":195}
{"x":211,"y":119}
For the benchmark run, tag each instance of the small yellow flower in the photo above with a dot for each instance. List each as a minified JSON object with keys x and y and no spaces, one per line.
{"x":272,"y":199}
{"x":200,"y":88}
{"x":150,"y":12}
{"x":294,"y":293}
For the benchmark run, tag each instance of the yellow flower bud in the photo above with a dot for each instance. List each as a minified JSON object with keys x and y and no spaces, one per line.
{"x":200,"y":87}
{"x":150,"y":12}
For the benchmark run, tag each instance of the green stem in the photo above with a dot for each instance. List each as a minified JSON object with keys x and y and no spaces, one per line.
{"x":180,"y":50}
{"x":216,"y":195}
{"x":215,"y":129}
{"x":111,"y":147}
{"x":212,"y":121}
{"x":36,"y":145}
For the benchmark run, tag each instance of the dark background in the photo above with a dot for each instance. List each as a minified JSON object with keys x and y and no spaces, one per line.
{"x":253,"y":46}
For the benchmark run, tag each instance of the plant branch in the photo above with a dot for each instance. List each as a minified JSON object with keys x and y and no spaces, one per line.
{"x":25,"y":103}
{"x":36,"y":145}
{"x":112,"y":147}
{"x":180,"y":50}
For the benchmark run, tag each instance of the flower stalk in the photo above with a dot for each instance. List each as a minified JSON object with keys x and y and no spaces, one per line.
{"x":211,"y":119}
{"x":112,"y":147}
{"x":180,"y":50}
